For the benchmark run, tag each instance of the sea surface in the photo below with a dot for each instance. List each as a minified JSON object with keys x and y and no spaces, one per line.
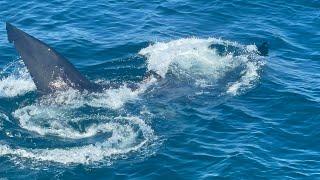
{"x":221,"y":110}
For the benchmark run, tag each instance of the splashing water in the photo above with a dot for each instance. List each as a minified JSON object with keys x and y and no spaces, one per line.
{"x":194,"y":59}
{"x":15,"y":80}
{"x":61,"y":114}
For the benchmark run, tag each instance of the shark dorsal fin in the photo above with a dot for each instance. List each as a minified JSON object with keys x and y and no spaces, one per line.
{"x":48,"y":69}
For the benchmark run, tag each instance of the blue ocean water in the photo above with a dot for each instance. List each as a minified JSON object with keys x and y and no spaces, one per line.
{"x":220,"y":111}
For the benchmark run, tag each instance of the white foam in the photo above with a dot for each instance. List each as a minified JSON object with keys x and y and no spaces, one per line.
{"x":113,"y":98}
{"x":247,"y":80}
{"x":52,"y":114}
{"x":3,"y":117}
{"x":54,"y":119}
{"x":193,"y":58}
{"x":124,"y":139}
{"x":17,"y":82}
{"x":56,"y":110}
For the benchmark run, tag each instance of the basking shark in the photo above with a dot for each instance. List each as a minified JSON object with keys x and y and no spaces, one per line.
{"x":50,"y":71}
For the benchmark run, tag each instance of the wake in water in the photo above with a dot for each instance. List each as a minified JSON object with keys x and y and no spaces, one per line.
{"x":101,"y":120}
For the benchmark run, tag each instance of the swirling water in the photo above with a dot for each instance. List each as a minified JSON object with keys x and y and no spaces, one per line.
{"x":220,"y":111}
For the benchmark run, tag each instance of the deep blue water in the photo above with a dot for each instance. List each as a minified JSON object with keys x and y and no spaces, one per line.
{"x":220,"y":111}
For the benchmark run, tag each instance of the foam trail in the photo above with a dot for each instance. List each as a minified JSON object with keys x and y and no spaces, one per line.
{"x":122,"y":141}
{"x":52,"y":115}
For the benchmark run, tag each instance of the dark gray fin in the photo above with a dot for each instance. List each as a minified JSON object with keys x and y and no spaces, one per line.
{"x":49,"y":70}
{"x":263,"y":49}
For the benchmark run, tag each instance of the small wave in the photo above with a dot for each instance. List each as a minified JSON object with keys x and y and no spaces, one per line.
{"x":15,"y":80}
